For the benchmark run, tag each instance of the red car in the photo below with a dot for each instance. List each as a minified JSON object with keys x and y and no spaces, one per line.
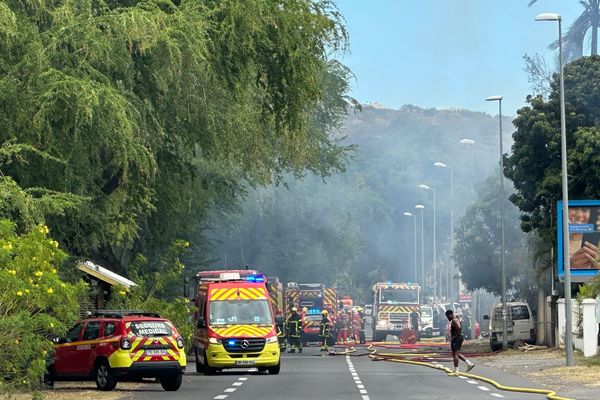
{"x":107,"y":347}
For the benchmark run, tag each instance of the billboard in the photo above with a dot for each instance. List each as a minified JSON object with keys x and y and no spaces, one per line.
{"x":584,"y":239}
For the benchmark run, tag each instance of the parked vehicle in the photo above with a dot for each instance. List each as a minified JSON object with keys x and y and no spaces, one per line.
{"x":114,"y":346}
{"x":235,"y":325}
{"x":426,"y":324}
{"x":519,"y":322}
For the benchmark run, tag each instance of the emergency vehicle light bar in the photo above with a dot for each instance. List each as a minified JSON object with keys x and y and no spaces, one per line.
{"x":255,"y":278}
{"x":313,"y":311}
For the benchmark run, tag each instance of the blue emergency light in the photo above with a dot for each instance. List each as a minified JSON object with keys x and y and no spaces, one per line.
{"x":255,"y":278}
{"x":231,"y":342}
{"x":313,"y":311}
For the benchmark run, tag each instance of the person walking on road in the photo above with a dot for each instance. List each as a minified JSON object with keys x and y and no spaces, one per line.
{"x":456,"y":340}
{"x":363,"y":326}
{"x":293,"y":330}
{"x":324,"y":328}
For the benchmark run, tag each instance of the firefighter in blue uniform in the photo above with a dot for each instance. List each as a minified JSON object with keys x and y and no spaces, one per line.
{"x":293,"y":331}
{"x":324,"y":328}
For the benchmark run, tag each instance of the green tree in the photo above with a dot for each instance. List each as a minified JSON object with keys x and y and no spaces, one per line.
{"x":159,"y":109}
{"x":574,"y":38}
{"x":478,"y":244}
{"x":534,"y":165}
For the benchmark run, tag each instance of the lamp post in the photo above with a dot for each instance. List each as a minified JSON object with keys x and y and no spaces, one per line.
{"x":407,"y":214}
{"x":421,"y":208}
{"x":425,"y":187}
{"x":440,"y":164}
{"x":504,"y":309}
{"x":469,"y":143}
{"x":565,"y":190}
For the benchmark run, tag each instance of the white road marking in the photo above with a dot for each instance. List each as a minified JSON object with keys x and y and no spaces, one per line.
{"x":359,"y":384}
{"x":237,"y":383}
{"x":496,"y":394}
{"x":220,"y":397}
{"x":462,"y":377}
{"x":230,"y":390}
{"x":483,"y":388}
{"x":243,"y":379}
{"x":472,"y":382}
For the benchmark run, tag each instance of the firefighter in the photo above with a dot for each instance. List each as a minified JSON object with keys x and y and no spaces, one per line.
{"x":293,"y":331}
{"x":363,"y":325}
{"x":324,"y":328}
{"x":280,"y":325}
{"x":303,"y":322}
{"x":343,"y":327}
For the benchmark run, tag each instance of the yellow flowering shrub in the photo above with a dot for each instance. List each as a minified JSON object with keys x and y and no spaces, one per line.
{"x":35,"y":304}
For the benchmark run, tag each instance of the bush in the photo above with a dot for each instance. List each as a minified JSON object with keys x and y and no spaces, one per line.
{"x":35,"y":304}
{"x":160,"y":291}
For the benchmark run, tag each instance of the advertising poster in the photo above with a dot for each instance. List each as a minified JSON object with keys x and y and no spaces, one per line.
{"x":584,"y":239}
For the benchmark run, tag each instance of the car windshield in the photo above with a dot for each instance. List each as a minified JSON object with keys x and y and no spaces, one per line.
{"x":240,"y":312}
{"x":399,"y":296}
{"x":150,"y":328}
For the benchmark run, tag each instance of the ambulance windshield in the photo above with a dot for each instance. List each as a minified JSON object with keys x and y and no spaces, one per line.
{"x":240,"y":312}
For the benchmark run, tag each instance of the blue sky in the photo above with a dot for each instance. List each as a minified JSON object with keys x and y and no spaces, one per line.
{"x":447,"y":53}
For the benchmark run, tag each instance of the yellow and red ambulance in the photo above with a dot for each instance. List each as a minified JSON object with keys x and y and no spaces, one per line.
{"x":235,"y":325}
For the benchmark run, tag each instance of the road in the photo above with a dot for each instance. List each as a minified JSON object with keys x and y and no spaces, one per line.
{"x":313,"y":375}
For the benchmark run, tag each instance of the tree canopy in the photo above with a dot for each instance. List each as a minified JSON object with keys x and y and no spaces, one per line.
{"x":157,"y":110}
{"x":534,"y":166}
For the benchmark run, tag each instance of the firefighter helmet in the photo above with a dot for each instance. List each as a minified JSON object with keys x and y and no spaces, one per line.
{"x":304,"y":309}
{"x":324,"y":312}
{"x":294,"y":309}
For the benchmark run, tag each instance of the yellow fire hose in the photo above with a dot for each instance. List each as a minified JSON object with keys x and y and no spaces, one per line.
{"x":398,"y":358}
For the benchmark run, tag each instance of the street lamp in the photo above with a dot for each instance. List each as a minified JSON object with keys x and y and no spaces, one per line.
{"x":470,"y":142}
{"x":407,"y":214}
{"x":504,"y":309}
{"x":421,"y":208}
{"x":425,"y":187}
{"x":440,"y":164}
{"x":565,"y":189}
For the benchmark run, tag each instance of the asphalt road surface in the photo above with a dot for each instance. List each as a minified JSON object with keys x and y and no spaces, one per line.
{"x":313,"y":375}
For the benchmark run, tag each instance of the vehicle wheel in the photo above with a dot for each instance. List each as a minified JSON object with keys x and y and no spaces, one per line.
{"x":105,"y":379}
{"x":275,"y":370}
{"x":379,"y":336}
{"x":48,"y":378}
{"x":207,"y":369}
{"x":199,"y":367}
{"x":172,"y":382}
{"x":495,"y":346}
{"x":518,"y":343}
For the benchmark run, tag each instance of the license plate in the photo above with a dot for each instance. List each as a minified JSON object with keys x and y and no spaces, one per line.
{"x":244,"y":362}
{"x":156,"y":352}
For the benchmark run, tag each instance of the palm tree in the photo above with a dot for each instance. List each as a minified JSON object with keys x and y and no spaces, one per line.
{"x":574,"y":39}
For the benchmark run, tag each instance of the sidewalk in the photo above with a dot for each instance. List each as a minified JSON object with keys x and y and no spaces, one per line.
{"x":546,"y":368}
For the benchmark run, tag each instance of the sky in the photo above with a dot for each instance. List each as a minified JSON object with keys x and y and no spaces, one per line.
{"x":448,"y":53}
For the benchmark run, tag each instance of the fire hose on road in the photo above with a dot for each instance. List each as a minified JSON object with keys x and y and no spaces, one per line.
{"x":432,"y":360}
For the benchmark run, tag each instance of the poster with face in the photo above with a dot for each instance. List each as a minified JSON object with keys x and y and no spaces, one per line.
{"x":584,"y":239}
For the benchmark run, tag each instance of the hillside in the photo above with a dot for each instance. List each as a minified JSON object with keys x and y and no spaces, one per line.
{"x":350,"y":229}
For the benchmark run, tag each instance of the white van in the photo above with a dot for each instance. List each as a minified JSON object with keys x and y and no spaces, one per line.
{"x":519,"y":324}
{"x":426,"y":323}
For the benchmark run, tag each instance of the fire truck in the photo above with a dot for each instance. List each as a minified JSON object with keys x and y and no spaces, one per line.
{"x":316,"y":297}
{"x":393,"y":304}
{"x":234,"y":323}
